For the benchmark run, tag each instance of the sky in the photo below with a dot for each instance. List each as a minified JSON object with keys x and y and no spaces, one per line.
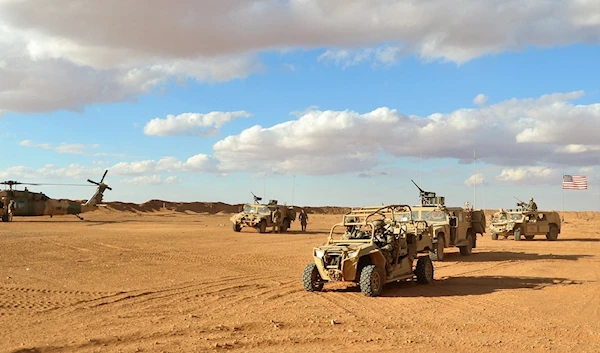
{"x":309,"y":102}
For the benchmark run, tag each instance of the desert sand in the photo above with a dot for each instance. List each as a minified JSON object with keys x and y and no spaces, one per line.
{"x":168,"y":281}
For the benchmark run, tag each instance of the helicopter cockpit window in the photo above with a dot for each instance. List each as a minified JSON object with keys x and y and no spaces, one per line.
{"x":20,"y":204}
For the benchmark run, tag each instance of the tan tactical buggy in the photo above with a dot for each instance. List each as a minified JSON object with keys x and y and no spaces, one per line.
{"x":378,"y":246}
{"x":521,"y":222}
{"x":260,"y":216}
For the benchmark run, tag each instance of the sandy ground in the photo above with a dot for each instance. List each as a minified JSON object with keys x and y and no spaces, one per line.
{"x":166,"y":282}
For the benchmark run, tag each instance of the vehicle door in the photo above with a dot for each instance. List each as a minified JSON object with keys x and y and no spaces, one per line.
{"x":542,"y":223}
{"x":531,"y":226}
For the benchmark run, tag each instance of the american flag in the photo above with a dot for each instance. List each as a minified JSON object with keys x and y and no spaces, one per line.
{"x":574,"y":182}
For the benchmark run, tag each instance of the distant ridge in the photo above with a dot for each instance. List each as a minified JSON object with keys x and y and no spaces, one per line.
{"x":206,"y":207}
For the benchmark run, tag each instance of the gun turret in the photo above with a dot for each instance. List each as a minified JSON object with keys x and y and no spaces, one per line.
{"x":428,"y":197}
{"x":256,"y":198}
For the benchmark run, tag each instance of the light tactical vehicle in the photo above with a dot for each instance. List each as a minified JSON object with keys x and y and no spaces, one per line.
{"x":452,"y":226}
{"x":379,"y":245}
{"x":524,"y":222}
{"x":260,"y":216}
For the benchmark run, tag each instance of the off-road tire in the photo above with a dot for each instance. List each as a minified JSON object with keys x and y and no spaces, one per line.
{"x":262,"y":227}
{"x":284,"y":226}
{"x":553,"y":233}
{"x":236,"y":227}
{"x":517,"y":234}
{"x":424,"y":270}
{"x":494,"y":236}
{"x":529,"y":237}
{"x":4,"y":218}
{"x":466,"y":250}
{"x":438,"y":251}
{"x":371,"y":281}
{"x":311,"y":279}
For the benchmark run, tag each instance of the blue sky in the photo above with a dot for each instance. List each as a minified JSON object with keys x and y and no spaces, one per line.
{"x":309,"y":102}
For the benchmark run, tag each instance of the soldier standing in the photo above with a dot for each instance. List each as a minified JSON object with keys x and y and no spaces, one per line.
{"x":532,"y":205}
{"x":276,"y":219}
{"x":303,"y":219}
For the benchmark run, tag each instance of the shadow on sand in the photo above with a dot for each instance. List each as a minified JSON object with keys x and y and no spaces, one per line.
{"x":462,"y":286}
{"x":509,"y":256}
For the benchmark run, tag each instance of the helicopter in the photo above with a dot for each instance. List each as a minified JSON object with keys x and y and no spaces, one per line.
{"x":25,"y":203}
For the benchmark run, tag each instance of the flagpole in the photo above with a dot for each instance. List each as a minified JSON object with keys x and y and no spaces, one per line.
{"x":475,"y":183}
{"x":293,"y":187}
{"x":563,"y":197}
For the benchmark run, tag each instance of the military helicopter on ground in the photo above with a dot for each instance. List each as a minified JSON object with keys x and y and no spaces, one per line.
{"x":17,"y":203}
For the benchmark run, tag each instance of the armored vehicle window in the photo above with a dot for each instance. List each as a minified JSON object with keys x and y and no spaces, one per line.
{"x":434,"y":216}
{"x":249,"y":209}
{"x":515,"y":217}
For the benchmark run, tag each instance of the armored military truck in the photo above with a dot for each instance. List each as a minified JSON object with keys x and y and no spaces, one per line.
{"x":524,"y":222}
{"x":452,"y":226}
{"x":372,"y":246}
{"x":260,"y":216}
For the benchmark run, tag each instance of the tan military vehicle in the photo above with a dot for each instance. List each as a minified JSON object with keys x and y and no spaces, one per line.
{"x":452,"y":226}
{"x":524,"y":222}
{"x":260,"y":216}
{"x":372,"y":246}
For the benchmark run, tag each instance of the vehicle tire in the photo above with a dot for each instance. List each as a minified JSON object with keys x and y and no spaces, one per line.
{"x":529,"y":237}
{"x":553,"y":233}
{"x":474,"y":240}
{"x":311,"y":279}
{"x":262,"y":227}
{"x":494,"y":236}
{"x":438,"y":251}
{"x":284,"y":226}
{"x":4,"y":218}
{"x":466,"y":250}
{"x":371,"y":281}
{"x":236,"y":227}
{"x":424,"y":270}
{"x":517,"y":234}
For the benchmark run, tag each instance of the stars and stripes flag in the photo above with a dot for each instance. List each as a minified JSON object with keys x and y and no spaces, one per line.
{"x":574,"y":182}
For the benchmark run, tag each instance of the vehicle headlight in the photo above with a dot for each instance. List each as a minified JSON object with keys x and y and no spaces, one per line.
{"x":352,"y":255}
{"x":319,"y":253}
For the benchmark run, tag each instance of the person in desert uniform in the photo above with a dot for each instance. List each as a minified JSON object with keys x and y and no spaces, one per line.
{"x":303,"y":219}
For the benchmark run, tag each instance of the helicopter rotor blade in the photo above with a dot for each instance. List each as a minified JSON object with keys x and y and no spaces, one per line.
{"x":101,"y":180}
{"x":93,"y":182}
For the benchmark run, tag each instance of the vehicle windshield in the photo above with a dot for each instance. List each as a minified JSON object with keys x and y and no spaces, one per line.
{"x":252,"y":209}
{"x":351,"y":232}
{"x":515,"y":216}
{"x":433,"y":216}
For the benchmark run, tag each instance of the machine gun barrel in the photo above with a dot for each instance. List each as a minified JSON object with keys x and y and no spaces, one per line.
{"x":421,"y":190}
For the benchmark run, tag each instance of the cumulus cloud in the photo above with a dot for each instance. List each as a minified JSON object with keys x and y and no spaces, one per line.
{"x":532,"y":175}
{"x":151,"y":180}
{"x":196,"y":163}
{"x":191,"y":123}
{"x":331,"y":142}
{"x":475,"y":179}
{"x":480,"y":99}
{"x":59,"y":55}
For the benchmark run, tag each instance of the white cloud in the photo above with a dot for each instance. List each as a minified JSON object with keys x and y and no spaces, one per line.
{"x":196,"y":163}
{"x":480,"y":99}
{"x":59,"y":55}
{"x":475,"y":179}
{"x":330,"y":142}
{"x":531,"y":175}
{"x":191,"y":123}
{"x":144,"y":179}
